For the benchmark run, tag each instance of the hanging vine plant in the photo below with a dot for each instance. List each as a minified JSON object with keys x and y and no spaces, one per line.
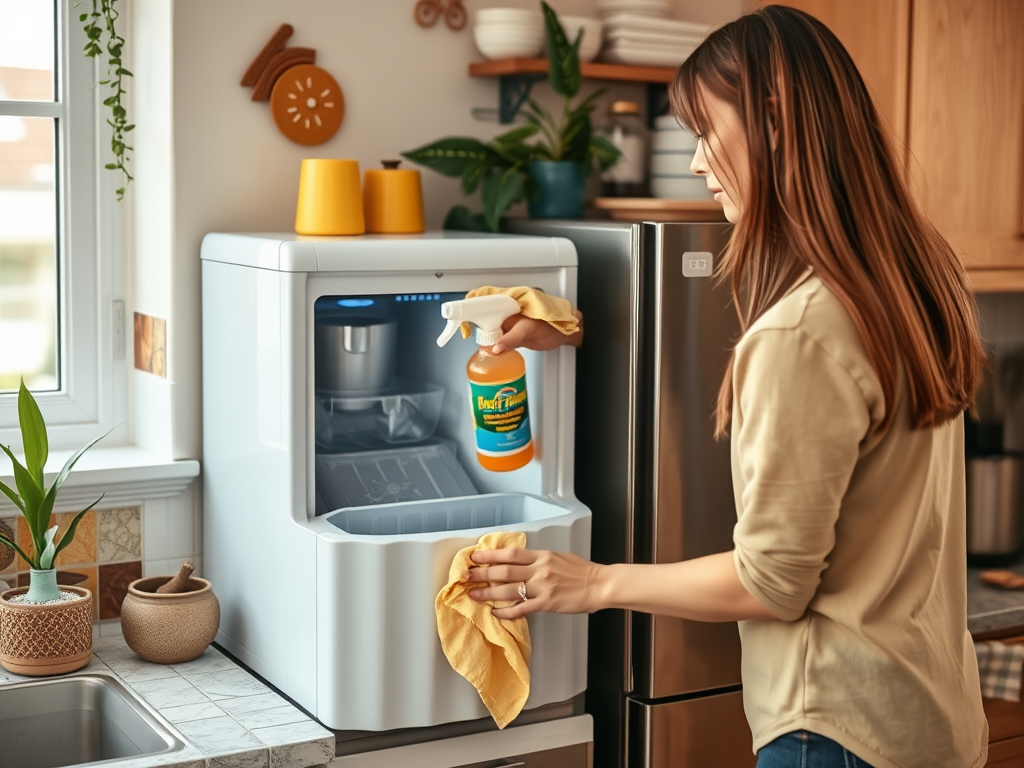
{"x":101,"y":20}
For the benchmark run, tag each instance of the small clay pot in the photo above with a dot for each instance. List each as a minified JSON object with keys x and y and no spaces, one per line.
{"x":171,"y":628}
{"x":45,"y":639}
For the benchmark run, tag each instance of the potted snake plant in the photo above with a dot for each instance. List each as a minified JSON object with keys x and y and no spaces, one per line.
{"x":44,"y":629}
{"x":545,"y":162}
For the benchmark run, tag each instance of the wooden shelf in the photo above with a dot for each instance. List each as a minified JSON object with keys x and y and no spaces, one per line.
{"x":591,"y":70}
{"x":996,"y":280}
{"x":658,"y":209}
{"x":517,"y":76}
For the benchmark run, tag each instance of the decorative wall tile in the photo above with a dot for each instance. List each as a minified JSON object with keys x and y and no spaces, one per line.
{"x":82,"y":548}
{"x":114,"y":581}
{"x":151,"y":344}
{"x":6,"y":553}
{"x":25,"y":542}
{"x":119,"y":534}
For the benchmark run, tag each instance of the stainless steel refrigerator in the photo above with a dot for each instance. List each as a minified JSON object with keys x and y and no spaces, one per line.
{"x":663,"y":692}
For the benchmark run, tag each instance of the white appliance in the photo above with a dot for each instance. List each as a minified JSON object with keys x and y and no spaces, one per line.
{"x":336,"y":609}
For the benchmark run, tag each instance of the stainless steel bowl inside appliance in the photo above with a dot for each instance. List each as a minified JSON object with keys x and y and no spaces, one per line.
{"x":993,"y":509}
{"x":354,"y":354}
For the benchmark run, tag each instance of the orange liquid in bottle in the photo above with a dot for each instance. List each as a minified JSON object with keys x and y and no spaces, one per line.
{"x":487,"y":371}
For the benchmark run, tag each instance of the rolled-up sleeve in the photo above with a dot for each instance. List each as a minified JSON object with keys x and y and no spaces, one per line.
{"x":798,"y":421}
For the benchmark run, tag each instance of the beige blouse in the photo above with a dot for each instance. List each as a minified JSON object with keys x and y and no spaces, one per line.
{"x":856,"y":542}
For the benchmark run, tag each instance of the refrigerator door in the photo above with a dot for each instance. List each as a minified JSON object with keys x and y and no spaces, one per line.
{"x":609,"y":433}
{"x":708,"y":731}
{"x":690,"y":325}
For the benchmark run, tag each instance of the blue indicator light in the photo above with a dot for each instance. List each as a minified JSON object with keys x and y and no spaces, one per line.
{"x":355,"y":302}
{"x":418,"y":297}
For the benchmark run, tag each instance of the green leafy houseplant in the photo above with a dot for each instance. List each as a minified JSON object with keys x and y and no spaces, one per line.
{"x":101,"y":19}
{"x":32,"y":497}
{"x":500,"y":168}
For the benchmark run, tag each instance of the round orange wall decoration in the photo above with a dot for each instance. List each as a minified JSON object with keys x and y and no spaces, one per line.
{"x":307,"y":104}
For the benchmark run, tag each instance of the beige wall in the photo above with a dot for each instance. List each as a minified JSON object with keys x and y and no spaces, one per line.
{"x":209,"y":159}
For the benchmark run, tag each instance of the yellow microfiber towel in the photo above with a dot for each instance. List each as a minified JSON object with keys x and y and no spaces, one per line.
{"x":493,"y":654}
{"x":535,"y":304}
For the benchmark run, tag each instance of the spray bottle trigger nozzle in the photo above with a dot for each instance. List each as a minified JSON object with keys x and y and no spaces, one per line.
{"x":448,"y":332}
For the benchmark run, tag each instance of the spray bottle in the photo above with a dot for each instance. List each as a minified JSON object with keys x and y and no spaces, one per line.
{"x":497,"y":383}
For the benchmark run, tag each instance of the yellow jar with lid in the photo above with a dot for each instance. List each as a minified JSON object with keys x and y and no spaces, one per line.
{"x":625,"y":129}
{"x":393,"y":200}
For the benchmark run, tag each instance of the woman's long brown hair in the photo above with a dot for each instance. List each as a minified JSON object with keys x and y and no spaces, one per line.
{"x":828,"y":194}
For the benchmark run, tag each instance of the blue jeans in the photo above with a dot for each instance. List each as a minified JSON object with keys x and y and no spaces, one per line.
{"x":803,"y":749}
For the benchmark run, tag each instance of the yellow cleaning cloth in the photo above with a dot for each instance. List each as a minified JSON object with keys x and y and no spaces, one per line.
{"x":535,"y":304}
{"x":493,"y":654}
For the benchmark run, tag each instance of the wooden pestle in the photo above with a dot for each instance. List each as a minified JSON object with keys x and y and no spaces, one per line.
{"x":179,"y":583}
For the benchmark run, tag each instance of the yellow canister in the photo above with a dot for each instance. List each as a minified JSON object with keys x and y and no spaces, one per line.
{"x":330,"y":201}
{"x":393,"y":200}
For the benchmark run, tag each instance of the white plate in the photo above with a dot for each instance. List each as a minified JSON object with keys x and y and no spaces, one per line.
{"x":667,"y":142}
{"x":664,"y":26}
{"x":642,"y":37}
{"x":672,"y":164}
{"x":680,"y":188}
{"x":657,"y":9}
{"x":646,"y":56}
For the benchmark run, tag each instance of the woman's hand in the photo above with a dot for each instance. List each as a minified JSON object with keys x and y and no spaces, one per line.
{"x":522,"y":331}
{"x":555,"y":581}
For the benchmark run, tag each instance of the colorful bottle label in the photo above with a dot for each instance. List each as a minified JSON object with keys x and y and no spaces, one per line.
{"x":501,"y":415}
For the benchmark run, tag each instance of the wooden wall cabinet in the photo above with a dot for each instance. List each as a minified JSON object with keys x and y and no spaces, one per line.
{"x":948,"y":76}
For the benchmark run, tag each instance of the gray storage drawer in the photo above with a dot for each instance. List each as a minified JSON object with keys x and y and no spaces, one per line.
{"x":574,"y":756}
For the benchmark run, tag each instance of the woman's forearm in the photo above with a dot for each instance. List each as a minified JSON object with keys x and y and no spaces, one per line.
{"x":702,"y":589}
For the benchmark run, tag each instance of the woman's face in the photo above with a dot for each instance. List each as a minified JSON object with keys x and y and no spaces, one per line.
{"x":722,"y":157}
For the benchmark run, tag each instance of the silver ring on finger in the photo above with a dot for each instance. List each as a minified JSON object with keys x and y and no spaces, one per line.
{"x":522,"y":591}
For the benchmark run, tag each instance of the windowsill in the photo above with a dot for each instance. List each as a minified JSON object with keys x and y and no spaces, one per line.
{"x":127,"y":475}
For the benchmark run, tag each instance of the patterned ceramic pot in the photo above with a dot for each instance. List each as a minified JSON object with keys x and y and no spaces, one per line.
{"x":48,"y":639}
{"x":171,"y":628}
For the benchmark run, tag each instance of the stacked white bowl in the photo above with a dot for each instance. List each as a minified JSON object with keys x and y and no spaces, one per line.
{"x":672,"y":150}
{"x":592,"y":37}
{"x":502,"y":33}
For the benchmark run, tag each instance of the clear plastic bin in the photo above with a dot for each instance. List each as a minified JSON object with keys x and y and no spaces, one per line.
{"x":486,"y":511}
{"x":392,"y":476}
{"x":403,"y":414}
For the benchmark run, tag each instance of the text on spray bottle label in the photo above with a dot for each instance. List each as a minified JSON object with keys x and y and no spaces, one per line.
{"x":501,"y":416}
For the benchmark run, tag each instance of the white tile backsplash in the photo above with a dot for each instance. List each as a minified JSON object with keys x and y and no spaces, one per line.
{"x":159,"y":568}
{"x":180,"y":527}
{"x":154,"y":530}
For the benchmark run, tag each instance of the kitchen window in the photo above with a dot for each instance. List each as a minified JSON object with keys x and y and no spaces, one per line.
{"x":60,"y":230}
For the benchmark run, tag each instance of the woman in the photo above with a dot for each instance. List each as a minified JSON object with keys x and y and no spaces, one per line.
{"x":843,"y":400}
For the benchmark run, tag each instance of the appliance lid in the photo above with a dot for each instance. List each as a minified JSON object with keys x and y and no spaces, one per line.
{"x":431,"y":251}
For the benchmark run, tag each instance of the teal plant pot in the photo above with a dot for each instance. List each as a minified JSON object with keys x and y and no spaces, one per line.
{"x":563,"y":190}
{"x":42,"y":586}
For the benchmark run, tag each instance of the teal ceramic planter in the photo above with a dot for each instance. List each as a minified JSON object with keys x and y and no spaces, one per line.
{"x":42,"y":586}
{"x":563,"y":190}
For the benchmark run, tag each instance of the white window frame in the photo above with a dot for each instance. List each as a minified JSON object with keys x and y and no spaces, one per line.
{"x":92,"y":398}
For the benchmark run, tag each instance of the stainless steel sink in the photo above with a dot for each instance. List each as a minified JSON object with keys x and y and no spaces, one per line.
{"x":77,"y":721}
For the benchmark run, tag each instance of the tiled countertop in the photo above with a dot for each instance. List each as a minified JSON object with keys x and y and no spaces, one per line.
{"x":229,"y":718}
{"x":993,"y":608}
